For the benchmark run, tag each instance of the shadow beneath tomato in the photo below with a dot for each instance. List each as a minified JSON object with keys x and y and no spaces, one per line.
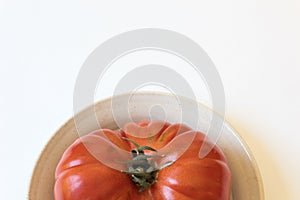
{"x":274,"y":184}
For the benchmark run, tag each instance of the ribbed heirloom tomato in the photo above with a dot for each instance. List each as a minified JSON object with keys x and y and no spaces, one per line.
{"x":127,"y":165}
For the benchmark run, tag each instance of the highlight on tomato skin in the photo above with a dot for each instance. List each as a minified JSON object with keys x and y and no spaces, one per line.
{"x":126,"y":164}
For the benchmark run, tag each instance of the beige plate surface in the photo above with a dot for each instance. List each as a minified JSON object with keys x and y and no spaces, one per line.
{"x":247,"y":184}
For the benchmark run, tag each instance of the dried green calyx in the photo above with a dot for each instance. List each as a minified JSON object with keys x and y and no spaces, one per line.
{"x":142,"y":169}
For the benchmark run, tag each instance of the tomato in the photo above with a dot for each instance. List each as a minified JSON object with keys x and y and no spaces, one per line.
{"x":81,"y":175}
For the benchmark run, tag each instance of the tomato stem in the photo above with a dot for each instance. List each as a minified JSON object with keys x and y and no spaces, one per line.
{"x":142,"y":169}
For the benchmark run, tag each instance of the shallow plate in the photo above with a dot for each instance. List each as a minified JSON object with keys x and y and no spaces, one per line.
{"x":247,"y":184}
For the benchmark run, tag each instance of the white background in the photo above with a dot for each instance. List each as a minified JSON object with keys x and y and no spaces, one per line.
{"x":254,"y":44}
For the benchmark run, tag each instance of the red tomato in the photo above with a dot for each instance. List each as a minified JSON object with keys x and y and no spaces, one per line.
{"x":80,"y":176}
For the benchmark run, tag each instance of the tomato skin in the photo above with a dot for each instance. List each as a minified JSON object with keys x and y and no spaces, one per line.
{"x":80,"y":176}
